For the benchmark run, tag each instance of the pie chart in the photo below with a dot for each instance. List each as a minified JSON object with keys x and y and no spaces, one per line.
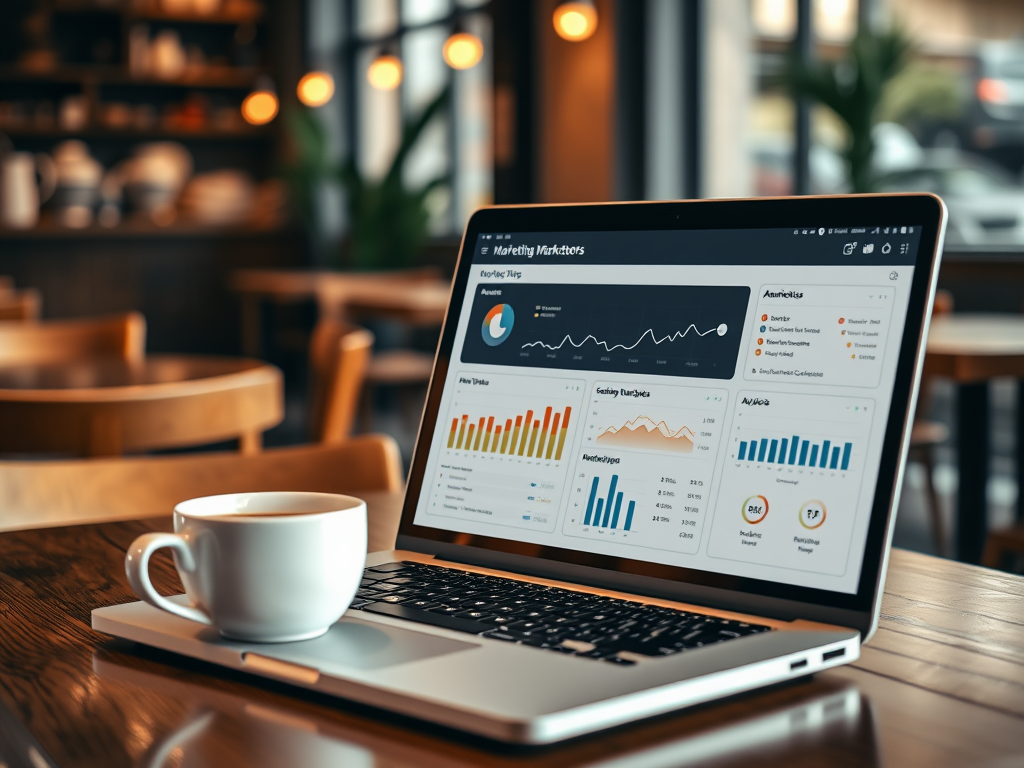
{"x":498,"y":324}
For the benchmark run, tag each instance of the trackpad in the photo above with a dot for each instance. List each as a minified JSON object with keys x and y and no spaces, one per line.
{"x":356,"y":644}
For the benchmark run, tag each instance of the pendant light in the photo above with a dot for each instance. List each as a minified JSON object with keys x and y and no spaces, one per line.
{"x":315,"y":89}
{"x":385,"y":71}
{"x":462,"y":50}
{"x":575,"y":20}
{"x":261,"y":106}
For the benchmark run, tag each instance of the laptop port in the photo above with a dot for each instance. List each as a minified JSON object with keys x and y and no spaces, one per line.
{"x":833,"y":654}
{"x":795,"y":665}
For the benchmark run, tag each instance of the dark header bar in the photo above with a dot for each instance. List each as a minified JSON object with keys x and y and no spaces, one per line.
{"x":850,"y":246}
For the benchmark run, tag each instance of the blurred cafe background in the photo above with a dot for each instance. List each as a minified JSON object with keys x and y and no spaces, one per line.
{"x":288,"y":180}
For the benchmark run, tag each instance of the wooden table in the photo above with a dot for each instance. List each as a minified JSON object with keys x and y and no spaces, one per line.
{"x":109,"y":406}
{"x":941,"y":684}
{"x":973,"y":349}
{"x":414,"y":296}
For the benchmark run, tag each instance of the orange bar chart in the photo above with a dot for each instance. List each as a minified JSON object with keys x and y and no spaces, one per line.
{"x":526,"y":436}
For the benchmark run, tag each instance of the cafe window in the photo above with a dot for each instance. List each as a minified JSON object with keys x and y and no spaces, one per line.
{"x":392,"y":56}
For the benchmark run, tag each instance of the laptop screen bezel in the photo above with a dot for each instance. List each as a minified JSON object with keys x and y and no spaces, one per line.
{"x":703,"y":587}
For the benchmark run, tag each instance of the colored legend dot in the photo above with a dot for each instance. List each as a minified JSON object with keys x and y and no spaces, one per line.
{"x":842,"y":320}
{"x":764,"y":318}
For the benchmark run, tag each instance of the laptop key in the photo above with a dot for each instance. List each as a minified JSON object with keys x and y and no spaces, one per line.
{"x":387,"y":568}
{"x":423,"y":605}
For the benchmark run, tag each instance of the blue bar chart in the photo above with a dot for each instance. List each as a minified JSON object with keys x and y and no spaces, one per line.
{"x":825,"y":454}
{"x":605,"y":511}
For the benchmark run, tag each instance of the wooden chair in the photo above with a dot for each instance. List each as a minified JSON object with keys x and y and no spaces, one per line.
{"x":409,"y":298}
{"x":47,"y":493}
{"x":926,"y":435}
{"x":197,"y":402}
{"x":339,"y":353}
{"x":60,"y":341}
{"x":21,"y":305}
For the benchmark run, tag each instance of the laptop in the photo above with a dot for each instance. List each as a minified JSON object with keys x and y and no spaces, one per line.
{"x":658,"y":465}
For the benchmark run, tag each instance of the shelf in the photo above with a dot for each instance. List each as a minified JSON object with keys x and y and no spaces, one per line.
{"x":253,"y":15}
{"x":217,"y":18}
{"x":136,"y":229}
{"x":221,"y":78}
{"x":206,"y":134}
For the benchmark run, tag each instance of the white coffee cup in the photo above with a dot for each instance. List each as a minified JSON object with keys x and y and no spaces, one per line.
{"x":262,"y":567}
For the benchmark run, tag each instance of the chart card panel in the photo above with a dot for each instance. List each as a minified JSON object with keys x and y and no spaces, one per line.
{"x":820,"y":334}
{"x":504,"y":453}
{"x":646,"y":464}
{"x":791,"y":480}
{"x":690,"y":331}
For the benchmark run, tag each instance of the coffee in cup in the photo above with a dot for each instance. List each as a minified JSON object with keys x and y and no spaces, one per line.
{"x":261,"y":567}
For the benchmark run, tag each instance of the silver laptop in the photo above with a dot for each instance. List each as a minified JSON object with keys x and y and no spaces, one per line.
{"x":658,"y":465}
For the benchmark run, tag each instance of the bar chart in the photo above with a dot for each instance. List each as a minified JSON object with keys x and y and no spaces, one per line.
{"x":512,"y":417}
{"x":797,"y":452}
{"x":526,"y":434}
{"x":652,"y":501}
{"x":604,"y":511}
{"x":505,"y":443}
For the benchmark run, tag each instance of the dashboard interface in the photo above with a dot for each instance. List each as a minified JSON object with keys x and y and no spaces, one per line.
{"x":708,"y":399}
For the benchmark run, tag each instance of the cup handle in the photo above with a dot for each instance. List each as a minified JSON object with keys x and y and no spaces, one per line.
{"x":136,"y":565}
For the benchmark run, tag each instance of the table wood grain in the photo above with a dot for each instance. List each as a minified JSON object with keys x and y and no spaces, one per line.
{"x":941,"y":684}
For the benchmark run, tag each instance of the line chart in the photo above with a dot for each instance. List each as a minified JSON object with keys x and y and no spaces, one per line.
{"x":659,"y":330}
{"x":721,"y":330}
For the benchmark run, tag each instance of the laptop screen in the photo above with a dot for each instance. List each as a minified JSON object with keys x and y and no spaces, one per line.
{"x":714,"y":400}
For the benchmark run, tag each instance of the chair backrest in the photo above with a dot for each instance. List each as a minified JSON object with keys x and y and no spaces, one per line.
{"x":59,"y":341}
{"x":43,"y":493}
{"x":210,"y":403}
{"x":20,"y":305}
{"x":339,"y":354}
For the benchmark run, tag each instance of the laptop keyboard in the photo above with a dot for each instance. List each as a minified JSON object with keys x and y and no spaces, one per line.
{"x":561,"y":620}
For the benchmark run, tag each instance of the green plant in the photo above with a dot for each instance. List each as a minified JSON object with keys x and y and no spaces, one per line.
{"x":854,"y":88}
{"x":387,"y":222}
{"x":922,"y":92}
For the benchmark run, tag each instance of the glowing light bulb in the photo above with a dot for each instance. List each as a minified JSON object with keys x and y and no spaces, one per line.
{"x":315,"y":89}
{"x":385,"y":73}
{"x":463,"y":50}
{"x":259,"y":107}
{"x":575,"y":20}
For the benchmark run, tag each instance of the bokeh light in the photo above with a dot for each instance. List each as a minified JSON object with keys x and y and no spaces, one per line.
{"x":260,"y":107}
{"x":385,"y":73}
{"x":575,"y":21}
{"x":315,"y":89}
{"x":463,"y":50}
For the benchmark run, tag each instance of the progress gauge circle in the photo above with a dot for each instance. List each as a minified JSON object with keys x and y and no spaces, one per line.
{"x":498,"y":324}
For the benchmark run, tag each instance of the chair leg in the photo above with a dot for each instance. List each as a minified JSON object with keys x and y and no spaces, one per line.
{"x":934,"y":509}
{"x":994,"y":551}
